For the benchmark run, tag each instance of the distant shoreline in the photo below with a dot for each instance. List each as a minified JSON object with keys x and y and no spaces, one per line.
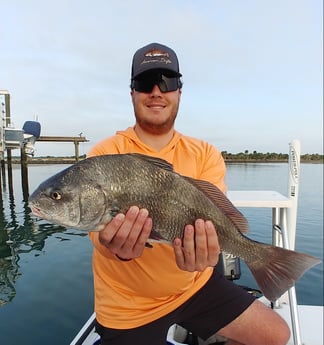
{"x":69,"y":160}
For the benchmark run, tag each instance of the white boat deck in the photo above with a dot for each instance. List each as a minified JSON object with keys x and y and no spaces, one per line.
{"x":311,"y":323}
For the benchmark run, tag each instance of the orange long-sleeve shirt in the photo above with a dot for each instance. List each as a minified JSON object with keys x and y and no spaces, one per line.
{"x":133,"y":293}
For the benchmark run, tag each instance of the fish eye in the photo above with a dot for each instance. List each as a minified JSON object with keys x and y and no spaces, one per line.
{"x":56,"y":195}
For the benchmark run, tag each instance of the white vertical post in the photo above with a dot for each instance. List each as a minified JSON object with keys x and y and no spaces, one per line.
{"x":293,"y":189}
{"x":290,"y":236}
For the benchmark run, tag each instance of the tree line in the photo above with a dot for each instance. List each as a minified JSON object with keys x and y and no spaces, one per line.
{"x":245,"y":156}
{"x":269,"y":157}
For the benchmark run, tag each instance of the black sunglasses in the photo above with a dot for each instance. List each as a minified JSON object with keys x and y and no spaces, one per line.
{"x":146,"y":83}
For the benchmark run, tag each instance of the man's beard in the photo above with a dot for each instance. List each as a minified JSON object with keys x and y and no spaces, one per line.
{"x":160,"y":128}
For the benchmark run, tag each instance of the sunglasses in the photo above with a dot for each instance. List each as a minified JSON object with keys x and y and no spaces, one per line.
{"x":146,"y":83}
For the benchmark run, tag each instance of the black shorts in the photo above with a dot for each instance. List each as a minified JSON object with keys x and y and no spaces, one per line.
{"x":215,"y":305}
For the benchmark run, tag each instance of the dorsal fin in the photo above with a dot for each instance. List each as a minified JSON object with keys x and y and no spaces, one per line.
{"x":161,"y":163}
{"x":222,"y":202}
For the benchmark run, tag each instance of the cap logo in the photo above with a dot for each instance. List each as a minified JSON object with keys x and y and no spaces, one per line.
{"x":156,"y":55}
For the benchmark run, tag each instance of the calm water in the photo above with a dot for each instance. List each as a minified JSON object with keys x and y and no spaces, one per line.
{"x":46,"y":291}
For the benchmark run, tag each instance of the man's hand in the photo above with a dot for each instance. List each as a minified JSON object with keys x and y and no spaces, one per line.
{"x":126,"y":235}
{"x":200,"y":248}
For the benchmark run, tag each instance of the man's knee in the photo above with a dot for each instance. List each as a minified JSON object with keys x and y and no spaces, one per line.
{"x":283,"y":334}
{"x":257,"y":325}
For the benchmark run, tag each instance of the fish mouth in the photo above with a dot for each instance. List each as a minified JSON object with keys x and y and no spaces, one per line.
{"x":36,"y":211}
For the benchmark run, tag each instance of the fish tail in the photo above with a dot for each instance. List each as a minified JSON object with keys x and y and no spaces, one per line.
{"x":278,"y":269}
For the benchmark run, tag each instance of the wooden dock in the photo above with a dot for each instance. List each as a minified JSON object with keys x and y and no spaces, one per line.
{"x":75,"y":140}
{"x":78,"y":139}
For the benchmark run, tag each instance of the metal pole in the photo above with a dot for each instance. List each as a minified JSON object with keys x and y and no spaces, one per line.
{"x":7,"y":109}
{"x":7,"y":123}
{"x":276,"y":241}
{"x":292,"y":291}
{"x":276,"y":236}
{"x":3,"y":124}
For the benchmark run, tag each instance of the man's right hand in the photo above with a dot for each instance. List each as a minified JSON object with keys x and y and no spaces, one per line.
{"x":126,"y":235}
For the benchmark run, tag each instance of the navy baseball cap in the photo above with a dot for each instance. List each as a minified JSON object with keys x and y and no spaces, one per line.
{"x":155,"y":56}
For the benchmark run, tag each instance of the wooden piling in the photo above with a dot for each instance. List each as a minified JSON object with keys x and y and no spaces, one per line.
{"x":24,"y":173}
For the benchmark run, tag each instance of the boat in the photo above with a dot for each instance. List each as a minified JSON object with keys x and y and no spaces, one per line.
{"x":16,"y":138}
{"x":305,"y":321}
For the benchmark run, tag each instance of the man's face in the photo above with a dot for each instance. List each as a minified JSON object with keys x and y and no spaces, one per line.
{"x":155,"y":111}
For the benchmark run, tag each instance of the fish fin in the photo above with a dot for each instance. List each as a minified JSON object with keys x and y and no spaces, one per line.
{"x":161,"y":163}
{"x":222,"y":202}
{"x":279,"y":269}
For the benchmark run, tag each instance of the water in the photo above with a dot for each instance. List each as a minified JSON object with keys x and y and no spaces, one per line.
{"x":46,"y":291}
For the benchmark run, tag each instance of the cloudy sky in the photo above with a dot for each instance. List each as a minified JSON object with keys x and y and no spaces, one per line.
{"x":252,"y":70}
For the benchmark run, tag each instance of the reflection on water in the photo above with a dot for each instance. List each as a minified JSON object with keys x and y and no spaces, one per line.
{"x":20,"y":233}
{"x":46,"y":286}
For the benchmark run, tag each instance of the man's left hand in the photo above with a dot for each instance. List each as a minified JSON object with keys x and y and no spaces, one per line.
{"x":200,"y":248}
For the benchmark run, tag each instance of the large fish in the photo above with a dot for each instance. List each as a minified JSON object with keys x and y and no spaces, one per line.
{"x":88,"y":194}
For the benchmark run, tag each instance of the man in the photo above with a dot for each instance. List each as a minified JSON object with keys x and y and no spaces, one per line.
{"x":140,"y":292}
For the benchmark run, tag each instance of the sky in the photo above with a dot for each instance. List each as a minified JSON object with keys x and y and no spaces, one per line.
{"x":252,"y":70}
